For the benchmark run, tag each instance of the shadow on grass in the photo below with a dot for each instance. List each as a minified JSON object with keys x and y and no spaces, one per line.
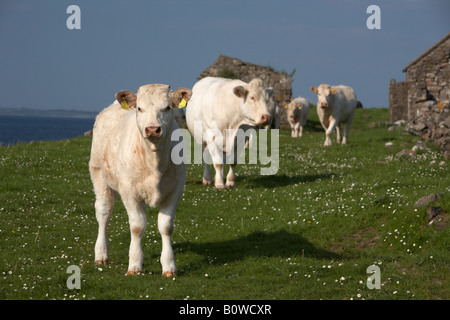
{"x":284,"y":180}
{"x":257,"y":244}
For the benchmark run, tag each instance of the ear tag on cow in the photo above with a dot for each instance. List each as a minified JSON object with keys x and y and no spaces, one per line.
{"x":300,"y":107}
{"x":125,"y":105}
{"x":182,"y":104}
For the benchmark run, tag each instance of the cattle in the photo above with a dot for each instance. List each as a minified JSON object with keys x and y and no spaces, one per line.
{"x":130,"y":155}
{"x":218,"y":108}
{"x":335,"y":105}
{"x":297,"y":114}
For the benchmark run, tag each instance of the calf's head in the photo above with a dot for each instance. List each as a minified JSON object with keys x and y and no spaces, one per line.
{"x":324,"y":94}
{"x":253,"y":106}
{"x":153,"y":105}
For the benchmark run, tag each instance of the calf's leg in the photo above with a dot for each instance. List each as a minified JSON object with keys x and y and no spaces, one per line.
{"x":138,"y":222}
{"x":104,"y":202}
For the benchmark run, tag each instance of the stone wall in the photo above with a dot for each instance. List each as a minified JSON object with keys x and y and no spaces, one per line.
{"x":427,"y":79}
{"x":432,"y":122}
{"x":229,"y":67}
{"x":398,"y":100}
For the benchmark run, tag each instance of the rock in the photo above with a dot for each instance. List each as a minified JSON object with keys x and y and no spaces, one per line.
{"x":424,"y":201}
{"x":392,"y":128}
{"x":388,"y":144}
{"x":433,"y":212}
{"x":88,"y":133}
{"x":406,"y":153}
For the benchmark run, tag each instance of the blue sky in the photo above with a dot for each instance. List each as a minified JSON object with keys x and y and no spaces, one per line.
{"x":126,"y":44}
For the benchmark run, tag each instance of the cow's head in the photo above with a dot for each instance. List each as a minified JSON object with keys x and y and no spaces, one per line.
{"x":153,"y":104}
{"x":254,"y":102}
{"x":324,"y":94}
{"x":292,"y":108}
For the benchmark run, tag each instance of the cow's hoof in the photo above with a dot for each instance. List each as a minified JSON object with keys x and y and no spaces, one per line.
{"x":133,"y":273}
{"x":206,"y":182}
{"x":230,"y":185}
{"x":169,"y":274}
{"x":220,"y":186}
{"x":101,"y":262}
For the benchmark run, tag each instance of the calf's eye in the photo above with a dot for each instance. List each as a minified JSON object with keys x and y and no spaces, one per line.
{"x":139,"y":109}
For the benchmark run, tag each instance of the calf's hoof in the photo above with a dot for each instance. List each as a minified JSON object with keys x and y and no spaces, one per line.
{"x":206,"y":182}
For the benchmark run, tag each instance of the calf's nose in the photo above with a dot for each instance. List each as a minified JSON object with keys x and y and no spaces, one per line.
{"x":265,"y":118}
{"x":323,"y":104}
{"x":153,"y":131}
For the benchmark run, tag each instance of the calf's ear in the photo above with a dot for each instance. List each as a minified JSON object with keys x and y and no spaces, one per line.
{"x":179,"y":95}
{"x":240,"y":91}
{"x":313,"y":89}
{"x":126,"y":98}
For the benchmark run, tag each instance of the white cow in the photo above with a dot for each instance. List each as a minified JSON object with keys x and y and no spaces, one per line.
{"x":217,"y":109}
{"x":335,"y":105}
{"x":130,"y":155}
{"x":297,"y":114}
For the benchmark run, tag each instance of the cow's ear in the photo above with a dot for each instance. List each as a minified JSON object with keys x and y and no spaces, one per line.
{"x":240,"y":91}
{"x":313,"y":89}
{"x":179,"y":95}
{"x":126,"y":99}
{"x":334,"y":90}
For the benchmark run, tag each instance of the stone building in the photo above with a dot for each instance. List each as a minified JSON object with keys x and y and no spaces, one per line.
{"x":228,"y":67}
{"x":427,"y":79}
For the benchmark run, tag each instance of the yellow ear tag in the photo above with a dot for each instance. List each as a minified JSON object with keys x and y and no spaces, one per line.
{"x":182,"y":104}
{"x":300,"y":107}
{"x":285,"y":106}
{"x":125,"y":105}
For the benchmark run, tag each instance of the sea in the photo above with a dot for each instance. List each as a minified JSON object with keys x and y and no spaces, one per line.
{"x":24,"y":129}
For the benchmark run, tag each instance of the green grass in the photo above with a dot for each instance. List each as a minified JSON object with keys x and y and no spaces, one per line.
{"x":309,"y":232}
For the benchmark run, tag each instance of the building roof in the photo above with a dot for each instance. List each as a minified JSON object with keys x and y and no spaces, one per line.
{"x":437,"y":44}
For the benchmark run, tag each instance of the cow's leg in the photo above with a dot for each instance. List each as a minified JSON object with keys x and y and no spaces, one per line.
{"x":138,"y":222}
{"x":346,"y":129}
{"x":206,"y":180}
{"x":231,"y":177}
{"x":104,"y":202}
{"x":218,"y":178}
{"x":296,"y":127}
{"x":293,"y":131}
{"x":165,"y":226}
{"x":338,"y":133}
{"x":329,"y":131}
{"x":218,"y":161}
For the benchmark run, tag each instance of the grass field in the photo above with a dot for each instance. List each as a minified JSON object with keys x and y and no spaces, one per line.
{"x":308,"y":232}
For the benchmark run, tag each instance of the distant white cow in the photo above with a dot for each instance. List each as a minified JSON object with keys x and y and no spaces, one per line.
{"x":130,"y":155}
{"x":335,"y":105}
{"x":297,"y":115}
{"x":220,"y":107}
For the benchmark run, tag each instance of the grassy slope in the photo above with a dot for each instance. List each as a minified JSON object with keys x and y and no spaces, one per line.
{"x":309,"y":232}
